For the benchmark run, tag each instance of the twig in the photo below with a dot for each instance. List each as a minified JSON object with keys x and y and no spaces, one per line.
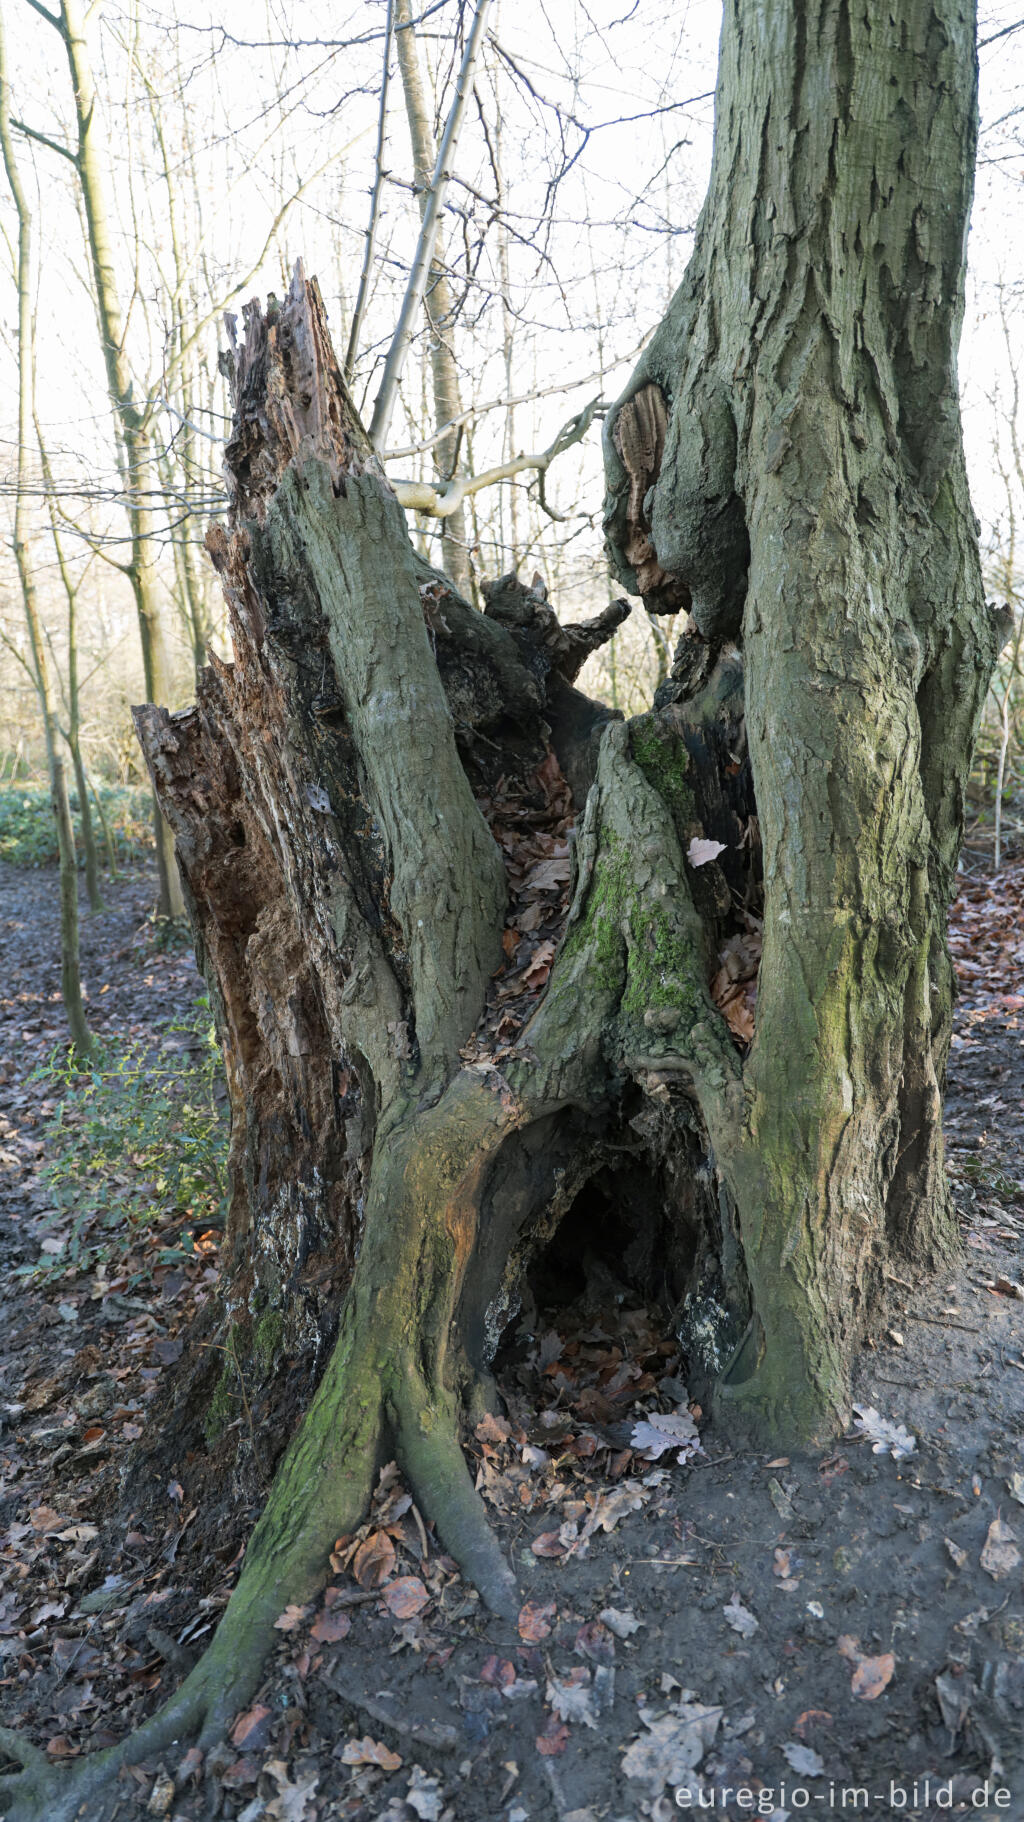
{"x":938,"y":1322}
{"x":421,"y":1529}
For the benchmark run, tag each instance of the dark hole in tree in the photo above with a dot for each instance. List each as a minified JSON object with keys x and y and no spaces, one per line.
{"x":596,"y":1340}
{"x":617,"y":1249}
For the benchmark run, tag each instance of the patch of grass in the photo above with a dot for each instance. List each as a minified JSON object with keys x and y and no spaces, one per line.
{"x":136,"y":1150}
{"x":28,"y":837}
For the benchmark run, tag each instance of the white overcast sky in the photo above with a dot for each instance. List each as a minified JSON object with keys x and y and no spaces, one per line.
{"x":606,"y":60}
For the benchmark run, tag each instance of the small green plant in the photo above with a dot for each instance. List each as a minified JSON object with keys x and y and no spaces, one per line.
{"x":136,"y":1151}
{"x":28,"y":837}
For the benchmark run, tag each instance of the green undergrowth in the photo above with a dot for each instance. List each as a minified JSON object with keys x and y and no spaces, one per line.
{"x":28,"y":836}
{"x":135,"y":1152}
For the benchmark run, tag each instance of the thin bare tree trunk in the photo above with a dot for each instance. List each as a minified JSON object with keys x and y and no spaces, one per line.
{"x":369,"y":245}
{"x":73,"y":732}
{"x":71,"y":981}
{"x":137,"y":461}
{"x":437,"y":299}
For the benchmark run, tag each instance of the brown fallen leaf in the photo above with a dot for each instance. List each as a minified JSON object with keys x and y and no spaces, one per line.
{"x":782,"y":1566}
{"x":611,"y":1507}
{"x":536,"y":1621}
{"x":330,"y":1628}
{"x":811,"y":1717}
{"x":1000,"y":1555}
{"x":190,"y":1766}
{"x":870,"y":1675}
{"x":548,"y":1544}
{"x":736,"y":1001}
{"x":374,"y":1560}
{"x":44,"y":1518}
{"x":250,"y":1731}
{"x":498,"y":1673}
{"x":292,"y":1801}
{"x":291,"y":1619}
{"x":493,"y":1429}
{"x":554,"y":1739}
{"x":370,"y":1752}
{"x":406,"y":1597}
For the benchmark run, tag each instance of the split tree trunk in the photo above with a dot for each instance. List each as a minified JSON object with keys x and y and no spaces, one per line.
{"x":402,"y":1144}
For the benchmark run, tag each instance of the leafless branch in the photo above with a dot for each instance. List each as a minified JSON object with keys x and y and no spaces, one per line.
{"x":441,"y":502}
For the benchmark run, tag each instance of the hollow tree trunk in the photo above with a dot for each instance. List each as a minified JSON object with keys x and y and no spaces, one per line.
{"x":810,"y":496}
{"x":408,"y":1124}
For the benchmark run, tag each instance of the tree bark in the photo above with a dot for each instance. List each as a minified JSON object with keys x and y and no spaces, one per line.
{"x":811,"y":499}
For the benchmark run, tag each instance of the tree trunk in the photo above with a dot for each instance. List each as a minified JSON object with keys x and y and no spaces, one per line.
{"x":810,"y":497}
{"x":72,"y":733}
{"x":438,"y":300}
{"x":131,"y":427}
{"x":413,"y":1115}
{"x":70,"y":972}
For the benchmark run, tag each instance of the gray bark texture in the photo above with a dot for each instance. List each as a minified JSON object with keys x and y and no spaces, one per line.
{"x":811,"y":500}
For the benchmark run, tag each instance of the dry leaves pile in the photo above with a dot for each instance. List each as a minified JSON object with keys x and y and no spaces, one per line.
{"x":986,"y":937}
{"x":111,"y":1646}
{"x":532,"y":829}
{"x":592,"y":1413}
{"x":734,"y":987}
{"x":392,"y":1556}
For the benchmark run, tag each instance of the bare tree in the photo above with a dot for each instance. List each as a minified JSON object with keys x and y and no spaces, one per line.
{"x":71,"y":984}
{"x":428,"y":286}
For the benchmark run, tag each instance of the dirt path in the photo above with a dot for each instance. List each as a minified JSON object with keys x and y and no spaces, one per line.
{"x":838,"y":1634}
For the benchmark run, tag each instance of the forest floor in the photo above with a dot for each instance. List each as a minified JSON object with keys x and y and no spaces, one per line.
{"x":835,"y":1633}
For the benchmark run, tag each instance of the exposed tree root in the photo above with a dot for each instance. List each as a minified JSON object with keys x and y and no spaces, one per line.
{"x":428,"y":1449}
{"x":373,"y":1397}
{"x":286,"y":1563}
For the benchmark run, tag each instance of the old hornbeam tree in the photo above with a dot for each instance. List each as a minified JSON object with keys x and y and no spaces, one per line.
{"x":410,"y":1123}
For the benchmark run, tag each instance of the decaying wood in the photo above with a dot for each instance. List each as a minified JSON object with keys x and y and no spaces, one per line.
{"x":639,"y":435}
{"x":349,"y":902}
